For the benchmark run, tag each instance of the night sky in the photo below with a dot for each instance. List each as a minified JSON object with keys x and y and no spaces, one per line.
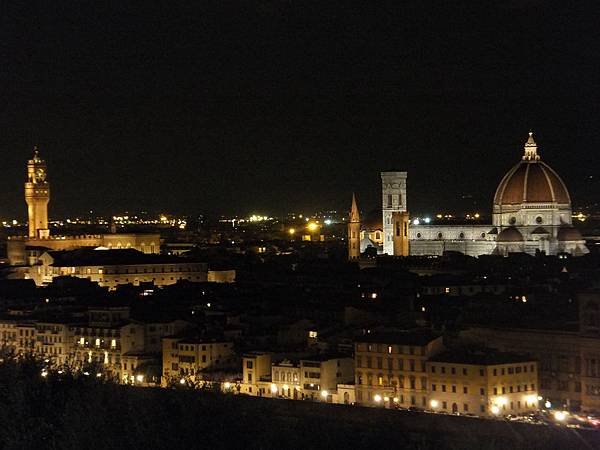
{"x":273,"y":106}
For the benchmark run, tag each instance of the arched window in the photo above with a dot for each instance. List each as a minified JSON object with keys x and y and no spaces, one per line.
{"x":440,"y":235}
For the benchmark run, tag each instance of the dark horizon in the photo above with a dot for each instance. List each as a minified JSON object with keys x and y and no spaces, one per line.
{"x":275,"y":106}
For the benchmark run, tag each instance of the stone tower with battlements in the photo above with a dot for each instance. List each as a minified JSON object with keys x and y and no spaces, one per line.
{"x":37,"y":196}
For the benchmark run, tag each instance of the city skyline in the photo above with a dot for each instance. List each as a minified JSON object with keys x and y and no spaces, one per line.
{"x":256,"y":107}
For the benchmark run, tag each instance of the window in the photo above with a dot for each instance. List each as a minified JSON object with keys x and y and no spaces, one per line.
{"x":443,"y":388}
{"x":453,"y":370}
{"x":503,"y":390}
{"x":481,"y":391}
{"x":481,"y":372}
{"x":465,"y":390}
{"x":433,"y":387}
{"x":358,"y":361}
{"x":444,"y":405}
{"x":389,"y":349}
{"x":454,"y":389}
{"x":495,"y":391}
{"x":249,"y":378}
{"x":443,"y":369}
{"x":369,"y":362}
{"x":464,"y":371}
{"x":432,"y":369}
{"x":465,"y":407}
{"x":249,"y":364}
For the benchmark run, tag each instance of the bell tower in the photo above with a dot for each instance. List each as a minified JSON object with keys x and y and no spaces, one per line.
{"x":354,"y":231}
{"x":37,"y":196}
{"x":393,"y":191}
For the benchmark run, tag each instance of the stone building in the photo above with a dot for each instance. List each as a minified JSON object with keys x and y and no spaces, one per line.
{"x":109,"y":268}
{"x":484,"y":383}
{"x":24,"y":250}
{"x":531,"y":214}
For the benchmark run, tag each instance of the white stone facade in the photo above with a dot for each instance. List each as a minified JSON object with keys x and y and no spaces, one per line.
{"x":393,"y":190}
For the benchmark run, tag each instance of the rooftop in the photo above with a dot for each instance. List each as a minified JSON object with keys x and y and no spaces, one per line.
{"x":481,"y":357}
{"x":91,"y":257}
{"x":418,"y":338}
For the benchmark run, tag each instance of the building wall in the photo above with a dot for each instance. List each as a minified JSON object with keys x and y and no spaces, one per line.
{"x":113,"y":275}
{"x":256,"y":373}
{"x":186,"y":358}
{"x":475,"y":389}
{"x":394,"y":372}
{"x":393,"y":189}
{"x":563,"y":358}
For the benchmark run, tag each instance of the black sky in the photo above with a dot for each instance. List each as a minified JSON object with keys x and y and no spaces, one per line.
{"x":271,"y":106}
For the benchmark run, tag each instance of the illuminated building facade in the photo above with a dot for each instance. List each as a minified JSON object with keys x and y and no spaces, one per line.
{"x":354,"y":231}
{"x":569,"y":360}
{"x":25,"y":251}
{"x":185,"y":357}
{"x":482,"y":383}
{"x":37,"y":196}
{"x":393,"y":193}
{"x":531,"y":214}
{"x":390,"y":369}
{"x":109,"y":268}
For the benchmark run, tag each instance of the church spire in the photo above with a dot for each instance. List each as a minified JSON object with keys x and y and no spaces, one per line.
{"x":354,"y":214}
{"x":531,"y":149}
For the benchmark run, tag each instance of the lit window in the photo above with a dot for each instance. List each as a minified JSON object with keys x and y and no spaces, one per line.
{"x":113,"y":343}
{"x":97,"y":342}
{"x":312,"y":334}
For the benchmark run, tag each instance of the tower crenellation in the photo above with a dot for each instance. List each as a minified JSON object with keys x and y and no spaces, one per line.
{"x":37,"y":196}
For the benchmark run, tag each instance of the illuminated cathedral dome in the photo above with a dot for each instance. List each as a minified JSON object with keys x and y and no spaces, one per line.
{"x":531,"y":194}
{"x":531,"y":181}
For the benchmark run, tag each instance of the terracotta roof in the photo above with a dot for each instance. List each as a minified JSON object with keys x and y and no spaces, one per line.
{"x":569,"y":234}
{"x":531,"y":181}
{"x":510,"y":234}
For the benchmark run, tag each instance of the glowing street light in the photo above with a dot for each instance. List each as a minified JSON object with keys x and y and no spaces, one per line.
{"x":495,"y":410}
{"x":560,"y":415}
{"x":182,"y":381}
{"x":227,"y":385}
{"x":312,"y":226}
{"x":377,"y":398}
{"x":140,"y":378}
{"x":274,"y":388}
{"x":434,"y":403}
{"x":324,"y":394}
{"x":292,"y":231}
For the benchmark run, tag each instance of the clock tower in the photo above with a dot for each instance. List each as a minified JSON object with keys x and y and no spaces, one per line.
{"x":37,"y":196}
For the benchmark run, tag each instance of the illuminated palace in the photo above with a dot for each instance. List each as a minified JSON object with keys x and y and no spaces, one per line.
{"x":531,"y":214}
{"x":26,"y":250}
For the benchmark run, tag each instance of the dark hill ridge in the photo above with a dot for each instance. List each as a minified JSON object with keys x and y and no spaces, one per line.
{"x":83,"y":413}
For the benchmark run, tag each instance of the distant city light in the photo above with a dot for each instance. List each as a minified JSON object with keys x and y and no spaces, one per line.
{"x":312,"y":226}
{"x":292,"y":231}
{"x":327,"y":221}
{"x":416,"y":221}
{"x":427,"y":219}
